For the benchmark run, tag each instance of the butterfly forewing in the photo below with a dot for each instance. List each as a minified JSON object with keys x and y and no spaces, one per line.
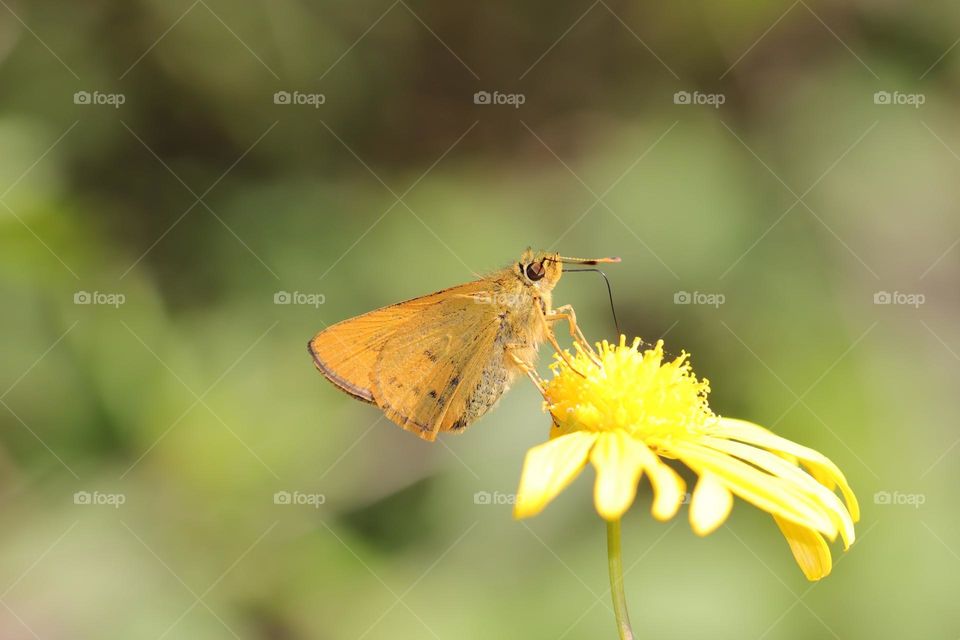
{"x":444,"y":339}
{"x":346,"y":353}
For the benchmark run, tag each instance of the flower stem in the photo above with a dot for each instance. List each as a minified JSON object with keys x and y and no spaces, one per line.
{"x":615,"y":564}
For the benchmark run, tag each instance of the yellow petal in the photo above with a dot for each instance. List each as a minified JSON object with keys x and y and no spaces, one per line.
{"x":792,"y":459}
{"x":710,"y":505}
{"x":618,"y":468}
{"x":668,"y":486}
{"x":778,"y":466}
{"x":822,"y":468}
{"x":549,"y":468}
{"x":770,"y":493}
{"x":809,"y":549}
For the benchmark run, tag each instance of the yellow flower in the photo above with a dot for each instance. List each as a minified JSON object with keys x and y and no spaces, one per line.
{"x":625,"y":411}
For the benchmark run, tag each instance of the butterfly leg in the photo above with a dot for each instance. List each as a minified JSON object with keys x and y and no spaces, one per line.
{"x":567,"y":313}
{"x":527,"y":368}
{"x":547,"y":316}
{"x":563,"y":353}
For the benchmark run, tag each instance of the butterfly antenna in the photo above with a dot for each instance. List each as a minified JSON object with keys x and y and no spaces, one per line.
{"x":569,"y":260}
{"x":613,"y":309}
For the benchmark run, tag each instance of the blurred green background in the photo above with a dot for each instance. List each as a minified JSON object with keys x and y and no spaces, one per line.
{"x":158,"y":197}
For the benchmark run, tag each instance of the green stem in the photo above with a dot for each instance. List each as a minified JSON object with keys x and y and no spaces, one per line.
{"x":615,"y":564}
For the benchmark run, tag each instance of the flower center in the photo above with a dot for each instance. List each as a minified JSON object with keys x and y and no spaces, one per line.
{"x":630,"y":390}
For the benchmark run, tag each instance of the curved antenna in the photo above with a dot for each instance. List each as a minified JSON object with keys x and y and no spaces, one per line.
{"x":609,"y":294}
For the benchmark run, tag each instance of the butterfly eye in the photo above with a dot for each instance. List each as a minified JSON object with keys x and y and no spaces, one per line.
{"x":535,"y":271}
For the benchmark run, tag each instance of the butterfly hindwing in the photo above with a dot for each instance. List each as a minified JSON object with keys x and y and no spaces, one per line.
{"x":424,"y":378}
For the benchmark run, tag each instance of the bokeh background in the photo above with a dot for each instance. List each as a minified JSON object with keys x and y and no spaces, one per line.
{"x":160,"y":202}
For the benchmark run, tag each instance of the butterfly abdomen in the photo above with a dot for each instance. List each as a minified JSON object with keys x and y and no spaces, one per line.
{"x":494,"y":381}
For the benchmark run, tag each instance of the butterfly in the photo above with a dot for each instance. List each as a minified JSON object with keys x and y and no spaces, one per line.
{"x":439,"y":362}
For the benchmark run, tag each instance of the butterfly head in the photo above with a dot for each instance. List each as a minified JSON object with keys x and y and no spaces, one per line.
{"x":542,"y":269}
{"x":539,"y":269}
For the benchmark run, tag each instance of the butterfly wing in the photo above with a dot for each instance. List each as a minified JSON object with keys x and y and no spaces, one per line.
{"x":346,"y":353}
{"x":426,"y":378}
{"x":395,"y":356}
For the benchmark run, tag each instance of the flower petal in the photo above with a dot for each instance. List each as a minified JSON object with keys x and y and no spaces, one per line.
{"x":710,"y":505}
{"x":668,"y":486}
{"x":548,"y":469}
{"x":770,"y":493}
{"x":618,"y":468}
{"x":809,"y":549}
{"x":778,"y":466}
{"x":822,"y":468}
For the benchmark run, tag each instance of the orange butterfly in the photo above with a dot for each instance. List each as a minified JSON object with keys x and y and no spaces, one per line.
{"x":439,"y":362}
